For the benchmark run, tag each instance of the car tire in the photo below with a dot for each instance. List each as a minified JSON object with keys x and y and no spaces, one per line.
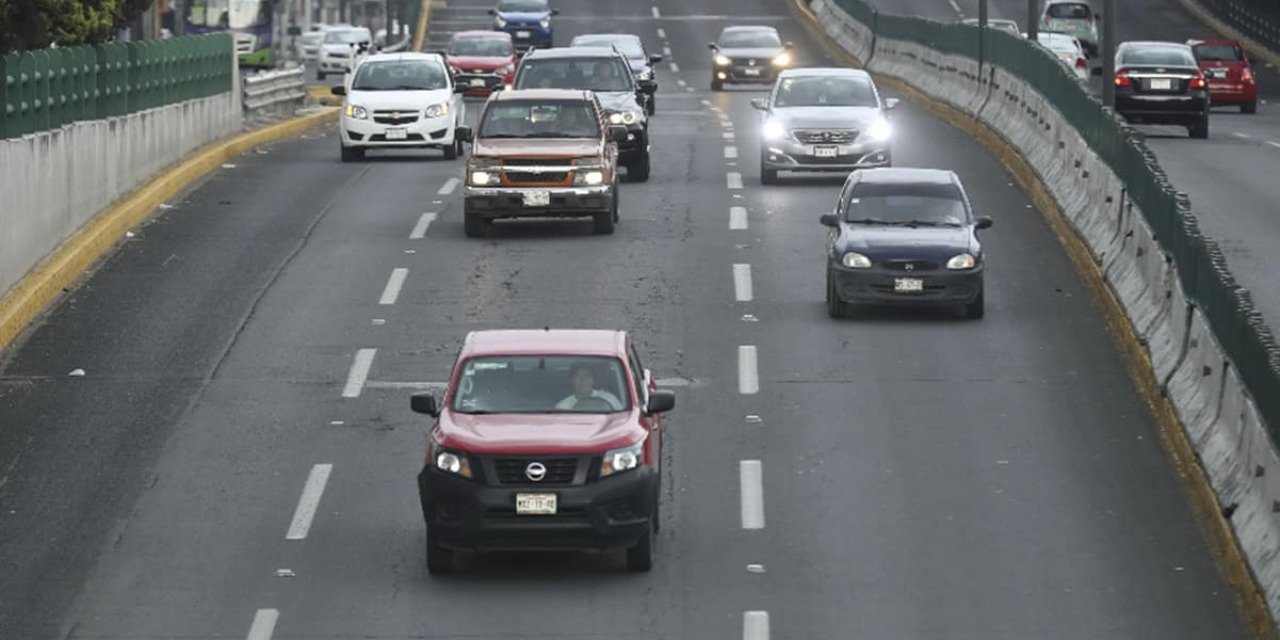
{"x":451,"y":151}
{"x":603,"y":224}
{"x":976,"y":309}
{"x":352,"y":154}
{"x":439,"y":559}
{"x":475,"y":226}
{"x":1199,"y":130}
{"x":716,"y":85}
{"x":1249,"y":107}
{"x":640,"y":557}
{"x":767,"y":175}
{"x":638,"y":171}
{"x":652,"y":107}
{"x":836,"y":308}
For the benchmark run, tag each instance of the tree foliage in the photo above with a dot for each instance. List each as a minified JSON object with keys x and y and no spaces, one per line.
{"x":34,"y":24}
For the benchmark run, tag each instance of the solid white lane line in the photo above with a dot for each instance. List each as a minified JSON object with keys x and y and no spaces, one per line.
{"x":956,"y":7}
{"x":662,"y":33}
{"x":449,"y":186}
{"x":666,"y":51}
{"x":1273,"y":143}
{"x":675,"y":68}
{"x":730,"y":152}
{"x":420,"y":230}
{"x":655,"y":13}
{"x":737,"y":218}
{"x":264,"y":624}
{"x":748,"y":374}
{"x":742,"y":282}
{"x":734,"y":180}
{"x":1240,"y":135}
{"x":751,"y":480}
{"x":309,"y":502}
{"x":359,"y":372}
{"x":391,"y":292}
{"x":755,"y":625}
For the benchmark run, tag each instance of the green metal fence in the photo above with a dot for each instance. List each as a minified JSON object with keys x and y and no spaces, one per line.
{"x":42,"y":90}
{"x":1246,"y":339}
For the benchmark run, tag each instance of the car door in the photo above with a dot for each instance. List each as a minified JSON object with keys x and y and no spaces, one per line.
{"x":643,"y":381}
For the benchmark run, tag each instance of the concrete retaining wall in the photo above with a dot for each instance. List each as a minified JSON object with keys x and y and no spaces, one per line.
{"x":1220,"y":419}
{"x":53,"y":182}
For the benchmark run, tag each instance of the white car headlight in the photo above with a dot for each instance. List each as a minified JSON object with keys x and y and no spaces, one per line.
{"x":773,"y":130}
{"x":722,"y":60}
{"x":546,"y":22}
{"x":357,"y":113}
{"x":500,"y":22}
{"x":880,"y":130}
{"x":856,"y":261}
{"x":620,"y":460}
{"x":782,"y":59}
{"x":623,"y":117}
{"x":451,"y":462}
{"x":438,"y":110}
{"x":589,"y":177}
{"x":962,"y":261}
{"x":484,"y":178}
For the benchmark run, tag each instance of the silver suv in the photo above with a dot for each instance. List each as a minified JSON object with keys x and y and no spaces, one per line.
{"x":1074,"y":18}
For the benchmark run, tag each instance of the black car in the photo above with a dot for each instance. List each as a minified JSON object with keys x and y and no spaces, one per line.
{"x":1161,"y":83}
{"x":605,"y":72}
{"x":748,"y":55}
{"x":904,"y":236}
{"x":633,"y":48}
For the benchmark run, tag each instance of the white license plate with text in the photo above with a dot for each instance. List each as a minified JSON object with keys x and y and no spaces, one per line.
{"x":537,"y":198}
{"x":522,"y":34}
{"x":751,"y":71}
{"x":824,"y":152}
{"x":477,"y":82}
{"x":536,"y":504}
{"x":1160,"y":84}
{"x":398,"y":133}
{"x":908,"y":285}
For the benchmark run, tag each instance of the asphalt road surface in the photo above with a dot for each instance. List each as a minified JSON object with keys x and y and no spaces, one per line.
{"x":922,"y":477}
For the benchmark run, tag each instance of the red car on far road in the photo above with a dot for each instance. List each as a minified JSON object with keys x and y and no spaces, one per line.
{"x":481,"y":61}
{"x":544,"y":440}
{"x":1226,"y":67}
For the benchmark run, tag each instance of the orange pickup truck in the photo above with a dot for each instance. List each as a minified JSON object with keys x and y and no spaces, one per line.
{"x":542,"y":153}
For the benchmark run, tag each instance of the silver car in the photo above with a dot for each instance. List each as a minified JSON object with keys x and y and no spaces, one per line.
{"x":823,"y":119}
{"x":1074,"y":18}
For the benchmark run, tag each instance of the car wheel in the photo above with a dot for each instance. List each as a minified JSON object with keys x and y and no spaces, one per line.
{"x":475,"y":226}
{"x":640,"y":557}
{"x":439,"y":559}
{"x":451,"y":151}
{"x":716,"y":85}
{"x":1249,"y":107}
{"x":976,"y":309}
{"x":835,"y":307}
{"x":351,"y":154}
{"x":767,"y":175}
{"x":1200,"y":129}
{"x":652,"y":107}
{"x":638,"y":171}
{"x":604,"y":223}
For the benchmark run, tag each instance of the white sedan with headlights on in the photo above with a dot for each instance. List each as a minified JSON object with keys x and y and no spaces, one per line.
{"x":823,"y":119}
{"x":401,"y":100}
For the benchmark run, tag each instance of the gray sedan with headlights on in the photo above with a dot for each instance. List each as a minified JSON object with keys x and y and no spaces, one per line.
{"x":823,"y":119}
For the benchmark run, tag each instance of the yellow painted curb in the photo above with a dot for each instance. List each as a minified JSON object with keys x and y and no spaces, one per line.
{"x":1258,"y":50}
{"x":40,"y":287}
{"x":323,"y":95}
{"x":420,"y":29}
{"x":1223,"y":544}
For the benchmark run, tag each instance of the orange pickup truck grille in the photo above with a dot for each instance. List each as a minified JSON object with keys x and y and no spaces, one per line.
{"x":541,"y":172}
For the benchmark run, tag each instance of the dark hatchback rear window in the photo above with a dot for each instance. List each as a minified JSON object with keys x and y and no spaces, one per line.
{"x":941,"y":204}
{"x":1219,"y":52}
{"x":1067,"y":11}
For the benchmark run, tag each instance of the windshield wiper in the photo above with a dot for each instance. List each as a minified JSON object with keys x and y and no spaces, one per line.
{"x":868,"y":221}
{"x":922,"y":223}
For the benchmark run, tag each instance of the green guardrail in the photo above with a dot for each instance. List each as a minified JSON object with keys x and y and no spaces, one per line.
{"x":48,"y":88}
{"x":1202,"y":270}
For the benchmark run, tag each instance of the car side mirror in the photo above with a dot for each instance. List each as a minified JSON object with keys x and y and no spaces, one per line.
{"x":555,"y":12}
{"x":655,"y":58}
{"x":829,"y":220}
{"x":759,"y":104}
{"x":617,"y":133}
{"x":712,"y":46}
{"x":493,"y":12}
{"x":890,"y":103}
{"x":424,"y":403}
{"x":338,"y":90}
{"x":464,"y":134}
{"x":660,"y":401}
{"x":648,"y":86}
{"x":985,"y":222}
{"x":1097,"y":71}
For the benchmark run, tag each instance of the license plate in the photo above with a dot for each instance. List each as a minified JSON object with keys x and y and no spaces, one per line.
{"x":536,"y":504}
{"x":1161,"y":84}
{"x":824,"y":152}
{"x":399,"y":133}
{"x":477,"y":82}
{"x":522,"y":34}
{"x":908,"y":285}
{"x":537,"y":198}
{"x":1218,"y":73}
{"x":751,"y":71}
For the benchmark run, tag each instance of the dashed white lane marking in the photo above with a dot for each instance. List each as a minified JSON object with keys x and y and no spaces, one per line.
{"x":751,"y":480}
{"x":662,"y":33}
{"x":734,"y":180}
{"x":748,"y":374}
{"x":395,"y":283}
{"x":420,"y":230}
{"x":755,"y":625}
{"x":666,"y":51}
{"x":955,"y":6}
{"x":264,"y":624}
{"x":359,"y":372}
{"x":689,"y":89}
{"x":449,"y":186}
{"x":706,"y":103}
{"x":681,"y":82}
{"x":737,"y":218}
{"x":742,"y":282}
{"x":1273,"y":143}
{"x":675,"y":68}
{"x":1240,"y":135}
{"x":655,"y":13}
{"x":728,"y":135}
{"x":730,"y":152}
{"x":309,"y":502}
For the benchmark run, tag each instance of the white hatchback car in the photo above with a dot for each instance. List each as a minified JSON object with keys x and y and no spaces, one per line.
{"x":1069,"y":50}
{"x":401,"y":100}
{"x":341,"y":49}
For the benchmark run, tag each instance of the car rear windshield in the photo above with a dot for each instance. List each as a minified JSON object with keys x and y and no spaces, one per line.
{"x":895,"y":204}
{"x":541,"y":384}
{"x":400,"y":75}
{"x":831,"y":91}
{"x":540,"y":119}
{"x":1168,"y":56}
{"x":523,"y":6}
{"x":749,"y":40}
{"x":587,"y":74}
{"x":1069,"y":11}
{"x":1218,"y":53}
{"x":629,"y":47}
{"x":481,"y":46}
{"x":347,"y":36}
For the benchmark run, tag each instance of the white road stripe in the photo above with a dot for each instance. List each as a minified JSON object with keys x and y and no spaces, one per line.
{"x":742,"y":282}
{"x":655,"y":13}
{"x":420,"y":229}
{"x":734,"y":180}
{"x":1273,"y":143}
{"x":264,"y":624}
{"x":748,"y":375}
{"x":391,"y":292}
{"x":955,"y":6}
{"x":359,"y":372}
{"x":730,"y":152}
{"x":737,"y":218}
{"x":662,"y":33}
{"x":755,"y":625}
{"x":675,"y":68}
{"x":751,"y":480}
{"x":449,"y":186}
{"x":666,"y":51}
{"x":1240,"y":135}
{"x":309,"y":502}
{"x":681,"y":82}
{"x":728,"y":135}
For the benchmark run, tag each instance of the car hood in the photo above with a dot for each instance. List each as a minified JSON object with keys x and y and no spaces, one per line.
{"x":924,"y":243}
{"x":537,"y":433}
{"x":549,"y":147}
{"x":479,"y":62}
{"x":750,"y":52}
{"x":618,"y":100}
{"x":399,"y":100}
{"x":339,"y":47}
{"x":517,"y":16}
{"x":825,"y":117}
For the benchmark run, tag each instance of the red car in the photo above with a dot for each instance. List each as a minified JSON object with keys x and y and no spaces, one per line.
{"x":482,"y":61}
{"x":1226,"y":66}
{"x":544,"y":440}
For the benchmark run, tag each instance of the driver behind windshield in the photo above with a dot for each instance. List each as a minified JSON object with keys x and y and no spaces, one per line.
{"x":583,"y":381}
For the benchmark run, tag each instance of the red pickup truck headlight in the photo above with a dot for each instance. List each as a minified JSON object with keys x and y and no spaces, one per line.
{"x":620,"y":460}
